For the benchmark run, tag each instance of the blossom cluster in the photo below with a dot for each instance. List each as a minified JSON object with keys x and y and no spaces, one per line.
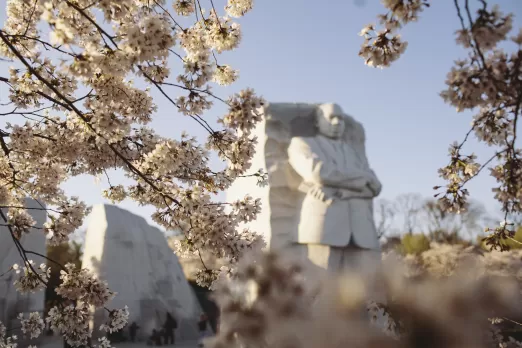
{"x":33,"y":325}
{"x":83,"y":90}
{"x":107,"y":128}
{"x":382,"y":47}
{"x":32,"y":279}
{"x":270,"y":299}
{"x":83,"y":292}
{"x":461,"y":168}
{"x":487,"y":82}
{"x":71,"y":321}
{"x":7,"y":341}
{"x":20,"y":222}
{"x":117,"y":320}
{"x":79,"y":284}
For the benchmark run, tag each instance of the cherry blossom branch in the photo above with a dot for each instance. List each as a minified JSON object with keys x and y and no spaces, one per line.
{"x":46,"y":45}
{"x":21,"y":249}
{"x":29,"y":20}
{"x":14,"y":112}
{"x":162,"y":91}
{"x":128,"y":148}
{"x":168,"y":14}
{"x":190,"y":89}
{"x":201,"y":259}
{"x":45,"y":257}
{"x":195,"y":117}
{"x":72,"y":107}
{"x":176,"y":54}
{"x":511,"y":320}
{"x":9,"y":270}
{"x":11,"y":225}
{"x":100,"y":30}
{"x":214,"y":8}
{"x":200,"y":9}
{"x":3,"y":144}
{"x":30,"y":208}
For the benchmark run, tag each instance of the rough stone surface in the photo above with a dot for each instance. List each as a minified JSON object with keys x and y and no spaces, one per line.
{"x":12,"y":302}
{"x":280,"y":198}
{"x":136,"y":261}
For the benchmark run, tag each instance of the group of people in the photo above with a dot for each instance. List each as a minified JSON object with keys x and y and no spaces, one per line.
{"x":165,"y":336}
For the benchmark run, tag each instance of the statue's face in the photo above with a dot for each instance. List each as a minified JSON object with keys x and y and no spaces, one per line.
{"x":330,"y":121}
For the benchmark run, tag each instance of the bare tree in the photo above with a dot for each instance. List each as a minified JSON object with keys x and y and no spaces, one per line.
{"x":469,"y":222}
{"x":409,"y":206}
{"x":385,"y":212}
{"x":516,"y":220}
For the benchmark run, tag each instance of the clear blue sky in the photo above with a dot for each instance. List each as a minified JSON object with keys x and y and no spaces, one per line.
{"x":306,"y":51}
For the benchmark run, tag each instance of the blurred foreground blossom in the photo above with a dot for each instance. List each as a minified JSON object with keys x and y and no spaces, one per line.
{"x":275,"y":302}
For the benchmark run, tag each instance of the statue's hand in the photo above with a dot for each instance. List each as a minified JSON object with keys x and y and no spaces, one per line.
{"x":374,"y":184}
{"x":319,"y":193}
{"x":373,"y":189}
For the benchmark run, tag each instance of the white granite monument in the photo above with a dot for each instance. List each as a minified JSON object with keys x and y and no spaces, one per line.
{"x":318,"y":202}
{"x":136,"y":261}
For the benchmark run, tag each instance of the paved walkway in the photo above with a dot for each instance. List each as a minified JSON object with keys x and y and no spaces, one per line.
{"x":57,"y":342}
{"x":142,"y":345}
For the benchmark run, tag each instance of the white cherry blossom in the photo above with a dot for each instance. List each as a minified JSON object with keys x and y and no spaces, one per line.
{"x":81,"y":91}
{"x":33,"y":325}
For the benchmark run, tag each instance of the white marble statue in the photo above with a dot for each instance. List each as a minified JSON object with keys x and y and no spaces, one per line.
{"x":317,"y":205}
{"x":318,"y":201}
{"x":336,"y":228}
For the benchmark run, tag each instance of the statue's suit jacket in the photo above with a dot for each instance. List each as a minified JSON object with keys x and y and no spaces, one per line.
{"x":332,"y":165}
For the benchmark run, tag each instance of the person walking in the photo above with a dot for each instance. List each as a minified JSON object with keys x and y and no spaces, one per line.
{"x":156,"y":337}
{"x":203,"y":327}
{"x":170,"y":326}
{"x":133,"y":329}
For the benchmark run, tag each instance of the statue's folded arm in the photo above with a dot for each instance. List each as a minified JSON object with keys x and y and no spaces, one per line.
{"x":315,"y":170}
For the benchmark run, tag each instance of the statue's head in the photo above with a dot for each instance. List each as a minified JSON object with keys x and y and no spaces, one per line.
{"x":330,"y":120}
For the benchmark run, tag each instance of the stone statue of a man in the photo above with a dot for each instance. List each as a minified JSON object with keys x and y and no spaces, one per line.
{"x":336,"y":227}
